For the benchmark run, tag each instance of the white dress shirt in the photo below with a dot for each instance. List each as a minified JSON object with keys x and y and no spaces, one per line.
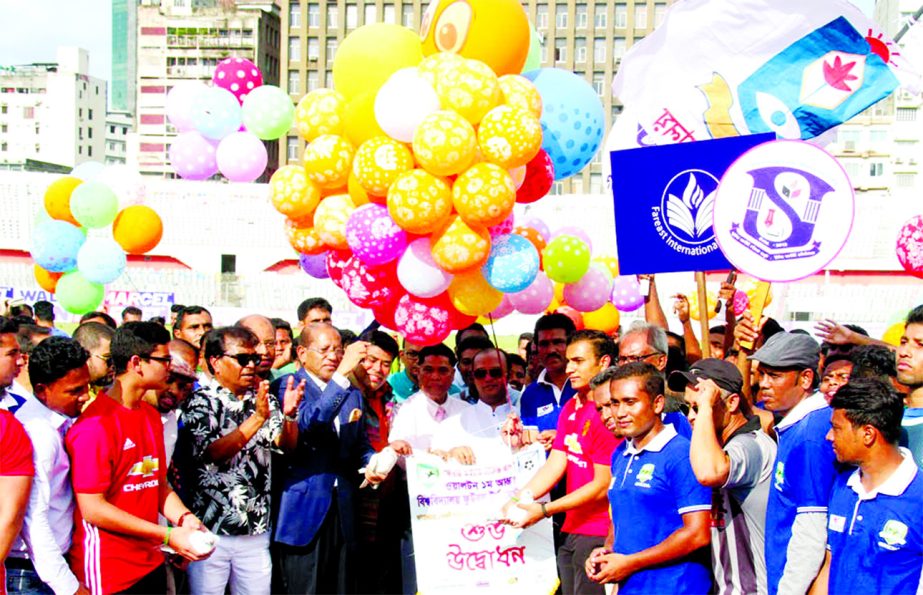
{"x":14,"y":397}
{"x":415,"y":421}
{"x":49,"y":521}
{"x":478,"y":427}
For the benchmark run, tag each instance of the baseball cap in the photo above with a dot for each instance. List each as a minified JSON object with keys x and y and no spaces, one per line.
{"x":179,"y":366}
{"x":789,"y":350}
{"x":724,"y":374}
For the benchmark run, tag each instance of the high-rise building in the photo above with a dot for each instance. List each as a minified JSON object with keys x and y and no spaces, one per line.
{"x":588,"y":37}
{"x":181,"y":40}
{"x":53,"y":114}
{"x":124,"y":55}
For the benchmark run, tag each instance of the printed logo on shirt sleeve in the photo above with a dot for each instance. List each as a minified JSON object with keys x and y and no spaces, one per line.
{"x":545,"y":410}
{"x":645,"y":475}
{"x":780,"y":475}
{"x":837,"y":523}
{"x":894,"y":535}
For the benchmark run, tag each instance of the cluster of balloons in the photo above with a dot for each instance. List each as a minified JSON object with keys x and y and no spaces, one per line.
{"x":74,"y":264}
{"x":414,"y":162}
{"x":910,"y":246}
{"x":222,"y":127}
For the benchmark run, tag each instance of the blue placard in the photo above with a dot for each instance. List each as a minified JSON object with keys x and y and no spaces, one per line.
{"x":664,"y":200}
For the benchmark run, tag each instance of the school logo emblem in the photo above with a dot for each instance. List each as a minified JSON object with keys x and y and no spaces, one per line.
{"x":894,"y":535}
{"x":427,"y":475}
{"x":780,"y":475}
{"x":783,"y":210}
{"x":645,"y":475}
{"x":686,"y":208}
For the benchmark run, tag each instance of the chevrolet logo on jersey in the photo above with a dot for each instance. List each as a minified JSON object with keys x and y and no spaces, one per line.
{"x":145,"y":468}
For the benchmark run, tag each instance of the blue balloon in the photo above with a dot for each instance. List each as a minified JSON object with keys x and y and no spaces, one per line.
{"x":217,"y":113}
{"x":572,"y":119}
{"x":55,"y":245}
{"x":512,"y":265}
{"x":101,"y":260}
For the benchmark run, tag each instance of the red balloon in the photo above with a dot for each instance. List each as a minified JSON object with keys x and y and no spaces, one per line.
{"x":574,"y":315}
{"x":384,"y":314}
{"x":336,"y":261}
{"x":366,"y":286}
{"x":423,"y":321}
{"x":539,"y":179}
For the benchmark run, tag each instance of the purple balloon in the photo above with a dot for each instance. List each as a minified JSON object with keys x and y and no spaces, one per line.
{"x":540,"y":226}
{"x":626,"y":293}
{"x":373,"y":236}
{"x":314,"y":265}
{"x":241,"y":157}
{"x":193,"y":156}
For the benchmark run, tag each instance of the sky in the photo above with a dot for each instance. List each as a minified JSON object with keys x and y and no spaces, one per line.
{"x":31,"y":30}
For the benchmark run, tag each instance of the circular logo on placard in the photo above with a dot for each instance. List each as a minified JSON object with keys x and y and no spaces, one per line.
{"x":783,"y":210}
{"x":686,"y":206}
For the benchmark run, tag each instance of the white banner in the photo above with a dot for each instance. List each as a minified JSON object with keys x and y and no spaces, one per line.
{"x":459,"y":543}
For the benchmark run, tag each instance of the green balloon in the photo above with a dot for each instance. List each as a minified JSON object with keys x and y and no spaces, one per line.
{"x":77,"y":294}
{"x":566,"y":259}
{"x":268,"y":112}
{"x":534,"y":57}
{"x":94,"y":204}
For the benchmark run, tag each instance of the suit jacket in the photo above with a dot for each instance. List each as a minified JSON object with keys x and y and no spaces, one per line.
{"x":321,"y":458}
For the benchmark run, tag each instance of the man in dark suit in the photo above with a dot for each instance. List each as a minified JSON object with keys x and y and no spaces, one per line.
{"x":314,"y":535}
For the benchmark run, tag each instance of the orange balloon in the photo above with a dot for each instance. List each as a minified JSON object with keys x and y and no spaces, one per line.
{"x":46,"y":279}
{"x":484,"y":194}
{"x":292,"y":193}
{"x":58,"y":199}
{"x":606,"y":319}
{"x":458,"y":247}
{"x":303,"y":237}
{"x":137,"y":229}
{"x":533,"y":236}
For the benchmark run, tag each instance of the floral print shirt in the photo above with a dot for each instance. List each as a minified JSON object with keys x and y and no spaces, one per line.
{"x":230,"y":498}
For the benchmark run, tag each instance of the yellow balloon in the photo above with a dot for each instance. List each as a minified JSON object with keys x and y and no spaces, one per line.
{"x":357,"y":192}
{"x":607,"y":264}
{"x":472,"y":295}
{"x":509,"y":136}
{"x":330,"y":220}
{"x":292,"y":193}
{"x":419,"y":202}
{"x":322,"y":111}
{"x":327,"y":161}
{"x":368,"y":56}
{"x":444,"y":143}
{"x":432,"y":65}
{"x":484,"y":195}
{"x":559,"y":293}
{"x":303,"y":237}
{"x":379,"y":161}
{"x":894,"y":333}
{"x":361,"y":124}
{"x":518,"y":91}
{"x":458,"y":247}
{"x":493,"y":31}
{"x":606,"y":319}
{"x":711,"y":299}
{"x":468,"y":87}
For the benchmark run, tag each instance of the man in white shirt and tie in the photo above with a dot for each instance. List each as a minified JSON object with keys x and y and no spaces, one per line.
{"x":60,"y":380}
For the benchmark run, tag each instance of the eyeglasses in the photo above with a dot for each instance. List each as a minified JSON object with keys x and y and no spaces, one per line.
{"x":106,"y":358}
{"x":633,"y":359}
{"x":244,"y":359}
{"x":328,"y":351}
{"x":166,"y":360}
{"x":481,"y":373}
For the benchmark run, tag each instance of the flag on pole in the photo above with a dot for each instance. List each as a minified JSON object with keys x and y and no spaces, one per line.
{"x":722,"y":68}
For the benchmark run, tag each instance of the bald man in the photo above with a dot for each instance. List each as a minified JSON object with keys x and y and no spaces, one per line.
{"x":266,"y":333}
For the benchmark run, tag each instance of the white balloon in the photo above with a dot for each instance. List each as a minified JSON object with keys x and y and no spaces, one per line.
{"x":419,"y":274}
{"x":181,"y":102}
{"x":402,"y":103}
{"x":87,"y":171}
{"x":126,"y":182}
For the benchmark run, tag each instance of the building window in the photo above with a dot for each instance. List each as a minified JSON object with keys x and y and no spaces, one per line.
{"x":333,"y":16}
{"x":541,"y":17}
{"x":294,"y":82}
{"x":389,"y":14}
{"x":618,"y":48}
{"x":581,"y":16}
{"x":112,"y":130}
{"x":600,"y":16}
{"x":852,"y":169}
{"x":599,"y":81}
{"x":313,"y":81}
{"x":3,"y":128}
{"x":331,"y":47}
{"x":560,"y":50}
{"x":313,"y":15}
{"x":89,"y":133}
{"x":89,"y":151}
{"x":621,"y":16}
{"x":293,"y":147}
{"x":560,"y":16}
{"x":294,"y":14}
{"x":906,"y":180}
{"x":876,"y":170}
{"x":596,"y":183}
{"x":407,"y":19}
{"x":89,"y":114}
{"x":79,"y":112}
{"x":371,"y":13}
{"x":878,"y":136}
{"x":660,"y":12}
{"x":640,"y":16}
{"x":599,"y":50}
{"x":3,"y":109}
{"x":294,"y":49}
{"x":3,"y":146}
{"x":352,"y":16}
{"x":906,"y":114}
{"x":313,"y":49}
{"x":580,"y":50}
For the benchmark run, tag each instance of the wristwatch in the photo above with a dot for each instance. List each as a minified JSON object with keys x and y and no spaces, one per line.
{"x":291,"y":418}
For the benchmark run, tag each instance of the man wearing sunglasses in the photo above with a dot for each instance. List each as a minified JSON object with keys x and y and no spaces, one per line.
{"x":266,"y":334}
{"x":231,"y":424}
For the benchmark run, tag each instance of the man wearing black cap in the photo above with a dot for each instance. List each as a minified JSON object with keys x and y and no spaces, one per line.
{"x":796,"y":513}
{"x":730,"y":452}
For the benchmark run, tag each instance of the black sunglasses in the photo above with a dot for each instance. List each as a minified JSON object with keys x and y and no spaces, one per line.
{"x":244,"y":359}
{"x":165,"y":360}
{"x":481,"y":373}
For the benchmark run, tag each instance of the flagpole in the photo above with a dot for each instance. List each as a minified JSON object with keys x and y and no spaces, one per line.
{"x":910,"y":23}
{"x":703,"y":313}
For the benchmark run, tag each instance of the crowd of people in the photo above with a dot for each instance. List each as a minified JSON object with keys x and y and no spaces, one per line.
{"x":173,"y":456}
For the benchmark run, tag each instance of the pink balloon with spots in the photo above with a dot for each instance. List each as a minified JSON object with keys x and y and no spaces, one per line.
{"x":626,"y":293}
{"x":536,"y":297}
{"x":910,"y":246}
{"x":373,"y":236}
{"x":367,"y":286}
{"x":237,"y":75}
{"x":590,"y":293}
{"x":423,"y":321}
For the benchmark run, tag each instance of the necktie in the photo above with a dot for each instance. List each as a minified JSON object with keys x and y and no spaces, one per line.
{"x":440,"y":413}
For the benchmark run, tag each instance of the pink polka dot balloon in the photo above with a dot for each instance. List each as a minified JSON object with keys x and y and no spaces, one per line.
{"x":910,"y":246}
{"x":366,"y":286}
{"x":540,"y":226}
{"x":502,"y":228}
{"x":237,"y":75}
{"x":373,"y":236}
{"x":241,"y":157}
{"x":504,"y":309}
{"x":536,"y":297}
{"x":590,"y":293}
{"x":626,"y":293}
{"x":193,"y":156}
{"x":423,"y":321}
